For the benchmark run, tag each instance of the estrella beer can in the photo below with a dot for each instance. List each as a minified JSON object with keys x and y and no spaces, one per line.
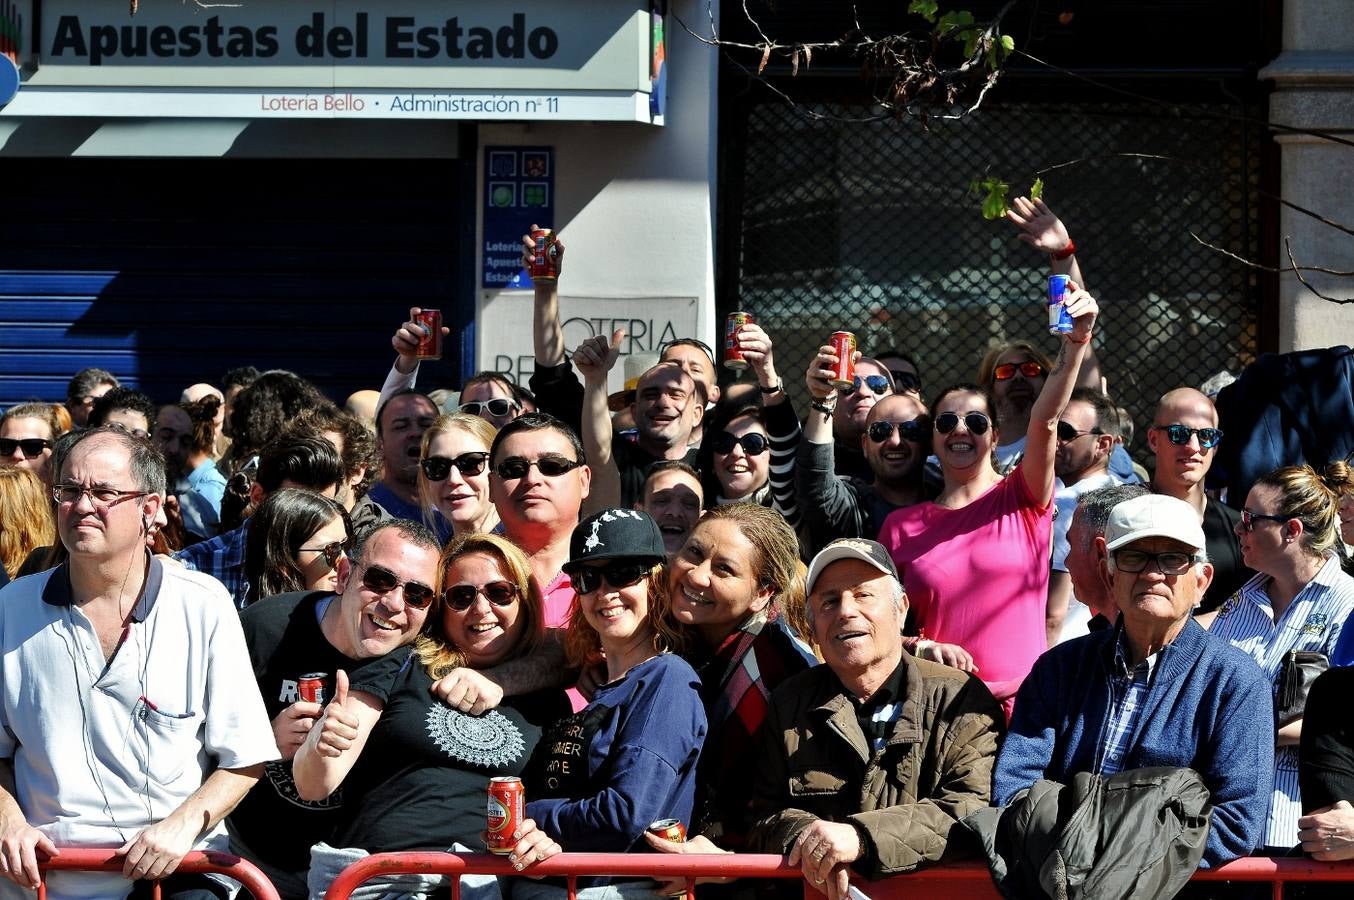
{"x":844,"y":345}
{"x":733,"y":357}
{"x":310,"y":687}
{"x":430,"y":345}
{"x":1059,"y":320}
{"x":545,"y":257}
{"x":669,"y":830}
{"x":507,"y":808}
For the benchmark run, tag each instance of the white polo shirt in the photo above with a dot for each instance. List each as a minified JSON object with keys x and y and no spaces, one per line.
{"x":101,"y":750}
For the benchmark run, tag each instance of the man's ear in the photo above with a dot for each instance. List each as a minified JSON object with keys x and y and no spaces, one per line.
{"x":343,"y":571}
{"x":1152,"y":440}
{"x":255,"y":494}
{"x":715,"y":393}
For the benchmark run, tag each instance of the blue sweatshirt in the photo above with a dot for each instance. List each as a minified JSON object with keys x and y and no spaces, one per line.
{"x":1209,"y":708}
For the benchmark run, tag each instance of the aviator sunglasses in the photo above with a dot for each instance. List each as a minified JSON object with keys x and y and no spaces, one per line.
{"x":549,"y":466}
{"x":498,"y":407}
{"x":1180,"y":434}
{"x":876,"y":383}
{"x":913,"y":430}
{"x":977,"y":422}
{"x":383,"y":581}
{"x":618,"y":575}
{"x":1029,"y":368}
{"x":437,"y":468}
{"x":753,"y":444}
{"x":32,"y":447}
{"x":461,"y":597}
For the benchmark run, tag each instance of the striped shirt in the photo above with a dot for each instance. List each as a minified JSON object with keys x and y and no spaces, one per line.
{"x":1128,"y":688}
{"x":1311,"y":622}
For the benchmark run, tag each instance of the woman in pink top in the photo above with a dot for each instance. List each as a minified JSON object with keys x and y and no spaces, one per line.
{"x":975,"y":561}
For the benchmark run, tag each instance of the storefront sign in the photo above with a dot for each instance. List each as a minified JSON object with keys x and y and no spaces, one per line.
{"x":519,"y":191}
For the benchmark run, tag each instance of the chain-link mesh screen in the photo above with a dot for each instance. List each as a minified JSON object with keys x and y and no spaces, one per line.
{"x":869,"y":227}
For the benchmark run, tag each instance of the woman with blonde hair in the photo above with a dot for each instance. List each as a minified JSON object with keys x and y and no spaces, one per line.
{"x":26,"y":521}
{"x":1297,"y":602}
{"x":453,"y":484}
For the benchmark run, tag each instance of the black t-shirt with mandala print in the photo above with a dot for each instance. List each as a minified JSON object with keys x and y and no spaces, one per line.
{"x":421,"y":781}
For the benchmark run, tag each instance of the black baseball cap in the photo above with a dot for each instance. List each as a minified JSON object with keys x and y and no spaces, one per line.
{"x":615,"y":534}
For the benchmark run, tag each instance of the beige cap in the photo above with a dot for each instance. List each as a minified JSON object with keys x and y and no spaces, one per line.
{"x":1153,"y":515}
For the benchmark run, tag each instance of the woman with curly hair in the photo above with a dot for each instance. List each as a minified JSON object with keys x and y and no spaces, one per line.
{"x":26,"y":521}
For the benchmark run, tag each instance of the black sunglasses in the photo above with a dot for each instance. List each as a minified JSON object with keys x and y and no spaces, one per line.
{"x":905,"y":381}
{"x":1248,"y":519}
{"x":977,"y":422}
{"x":549,"y":466}
{"x":876,"y":383}
{"x":1180,"y":434}
{"x":383,"y":581}
{"x":332,"y":551}
{"x":498,"y":407}
{"x":437,"y":468}
{"x":912,"y":430}
{"x":32,"y":447}
{"x":753,"y":444}
{"x":1066,"y":432}
{"x":461,"y":597}
{"x":618,"y":575}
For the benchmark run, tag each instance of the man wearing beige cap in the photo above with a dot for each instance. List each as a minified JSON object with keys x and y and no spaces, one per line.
{"x":1155,"y":690}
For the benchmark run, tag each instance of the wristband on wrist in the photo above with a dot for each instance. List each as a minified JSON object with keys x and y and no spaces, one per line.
{"x":823,"y":407}
{"x":1075,"y":341}
{"x":1069,"y":250}
{"x":772,"y":389}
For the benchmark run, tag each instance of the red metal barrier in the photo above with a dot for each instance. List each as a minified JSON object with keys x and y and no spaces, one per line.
{"x":955,"y":881}
{"x":103,"y":860}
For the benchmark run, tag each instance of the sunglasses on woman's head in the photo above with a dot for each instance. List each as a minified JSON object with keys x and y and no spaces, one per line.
{"x":977,"y":422}
{"x":437,"y":468}
{"x":498,"y":407}
{"x":549,"y":466}
{"x":753,"y":444}
{"x":1180,"y":434}
{"x":332,"y":551}
{"x":461,"y":597}
{"x":1029,"y":368}
{"x":383,"y":581}
{"x":876,"y":383}
{"x":912,"y":430}
{"x":617,"y":575}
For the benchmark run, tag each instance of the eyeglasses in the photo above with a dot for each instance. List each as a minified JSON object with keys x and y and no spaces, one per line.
{"x":549,"y":466}
{"x":753,"y":444}
{"x":1066,"y":432}
{"x":102,"y":497}
{"x":1180,"y":434}
{"x":498,"y":407}
{"x":1169,"y":563}
{"x":906,"y":382}
{"x":1248,"y":519}
{"x":1007,"y":371}
{"x":383,"y":581}
{"x":913,"y":430}
{"x":976,"y":422}
{"x":461,"y":597}
{"x":876,"y":383}
{"x":333,"y":551}
{"x":31,"y":447}
{"x":437,"y":468}
{"x":618,"y":575}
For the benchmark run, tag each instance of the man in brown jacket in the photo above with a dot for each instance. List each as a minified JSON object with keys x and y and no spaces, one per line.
{"x":872,"y":758}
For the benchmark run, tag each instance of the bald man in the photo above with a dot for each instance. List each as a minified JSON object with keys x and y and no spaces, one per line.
{"x":1184,"y":439}
{"x":363,"y":405}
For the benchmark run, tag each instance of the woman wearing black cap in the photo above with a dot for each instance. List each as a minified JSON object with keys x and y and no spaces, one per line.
{"x":600,"y":777}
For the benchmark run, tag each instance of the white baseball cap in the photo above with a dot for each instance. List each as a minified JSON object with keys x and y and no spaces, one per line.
{"x":871,"y":552}
{"x":1153,"y":515}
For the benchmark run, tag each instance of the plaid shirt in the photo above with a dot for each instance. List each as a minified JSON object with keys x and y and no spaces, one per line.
{"x":222,"y":557}
{"x":1128,"y":688}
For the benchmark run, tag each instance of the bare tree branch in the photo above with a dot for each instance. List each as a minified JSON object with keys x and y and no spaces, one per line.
{"x":1278,"y":270}
{"x":1298,"y":270}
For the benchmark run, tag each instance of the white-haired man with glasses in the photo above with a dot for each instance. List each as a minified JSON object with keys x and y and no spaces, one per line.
{"x":126,"y":706}
{"x":1155,"y":690}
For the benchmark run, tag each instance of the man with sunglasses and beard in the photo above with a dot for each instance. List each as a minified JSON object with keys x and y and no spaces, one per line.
{"x":384,"y":590}
{"x":1184,"y":438}
{"x":892,"y":444}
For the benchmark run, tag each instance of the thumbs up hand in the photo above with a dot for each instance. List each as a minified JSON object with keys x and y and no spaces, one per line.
{"x":337,"y":727}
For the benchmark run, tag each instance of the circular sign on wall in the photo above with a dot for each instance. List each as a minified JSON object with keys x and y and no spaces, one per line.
{"x":9,"y":80}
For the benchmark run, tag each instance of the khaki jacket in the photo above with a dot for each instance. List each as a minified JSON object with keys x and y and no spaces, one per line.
{"x":935,"y":766}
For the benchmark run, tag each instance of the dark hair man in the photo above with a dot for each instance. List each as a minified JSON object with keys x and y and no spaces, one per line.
{"x":400,"y":423}
{"x":130,"y":409}
{"x":83,"y":389}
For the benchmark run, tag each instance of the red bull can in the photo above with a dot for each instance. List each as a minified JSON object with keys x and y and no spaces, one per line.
{"x":1059,"y":320}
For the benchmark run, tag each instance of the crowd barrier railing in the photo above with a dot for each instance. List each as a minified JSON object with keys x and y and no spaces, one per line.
{"x":104,"y":860}
{"x":953,"y":881}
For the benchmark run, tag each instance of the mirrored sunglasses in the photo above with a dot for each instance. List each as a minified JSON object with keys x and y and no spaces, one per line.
{"x":1007,"y":371}
{"x":877,"y":384}
{"x":1180,"y":434}
{"x":912,"y":430}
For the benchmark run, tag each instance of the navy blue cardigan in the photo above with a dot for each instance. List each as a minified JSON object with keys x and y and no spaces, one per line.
{"x":1209,"y":708}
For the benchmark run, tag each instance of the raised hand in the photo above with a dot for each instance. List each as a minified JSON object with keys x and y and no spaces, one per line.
{"x":529,"y":250}
{"x":597,"y":356}
{"x":1038,"y":225}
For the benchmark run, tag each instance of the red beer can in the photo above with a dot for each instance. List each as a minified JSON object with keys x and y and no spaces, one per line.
{"x":507,"y":809}
{"x":430,"y":345}
{"x":669,"y":830}
{"x":733,"y":357}
{"x":844,"y":345}
{"x":310,"y":687}
{"x":545,"y":257}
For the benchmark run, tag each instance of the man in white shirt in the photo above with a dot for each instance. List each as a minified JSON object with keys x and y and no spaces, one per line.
{"x":127,"y":705}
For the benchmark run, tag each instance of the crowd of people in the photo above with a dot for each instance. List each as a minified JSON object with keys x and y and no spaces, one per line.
{"x":844,"y":637}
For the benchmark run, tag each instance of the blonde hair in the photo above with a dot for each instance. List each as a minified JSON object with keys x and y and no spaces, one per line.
{"x":1314,"y":500}
{"x":26,"y":520}
{"x":776,"y":561}
{"x":479,"y":429}
{"x":583,"y":646}
{"x":434,"y":648}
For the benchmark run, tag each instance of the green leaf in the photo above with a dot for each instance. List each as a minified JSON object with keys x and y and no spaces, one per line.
{"x":994,"y":199}
{"x":1007,"y":43}
{"x":927,"y":9}
{"x":1037,"y":189}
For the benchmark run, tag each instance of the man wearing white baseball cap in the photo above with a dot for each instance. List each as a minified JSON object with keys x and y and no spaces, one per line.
{"x":1155,"y":690}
